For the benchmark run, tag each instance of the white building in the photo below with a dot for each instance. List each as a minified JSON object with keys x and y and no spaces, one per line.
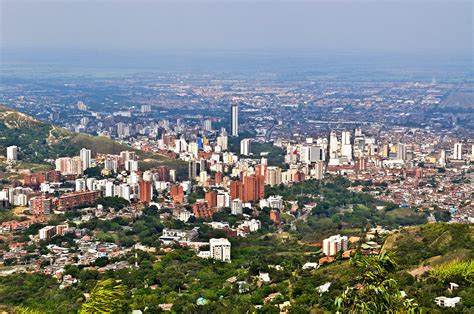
{"x":85,"y":155}
{"x":80,"y":185}
{"x":245,"y":147}
{"x":236,"y":207}
{"x":334,"y":244}
{"x":447,"y":302}
{"x":272,"y":202}
{"x":12,"y":153}
{"x":235,"y":120}
{"x":220,"y":249}
{"x":131,"y":165}
{"x":457,"y":153}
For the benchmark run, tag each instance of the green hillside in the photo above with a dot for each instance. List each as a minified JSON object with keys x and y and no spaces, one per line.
{"x":431,"y":256}
{"x":39,"y":141}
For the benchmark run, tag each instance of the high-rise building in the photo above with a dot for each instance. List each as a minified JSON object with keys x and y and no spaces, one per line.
{"x":12,"y":153}
{"x":253,"y":188}
{"x":334,"y":244}
{"x":245,"y":147}
{"x":192,"y":169}
{"x":273,"y":176}
{"x":401,"y":151}
{"x":211,"y":198}
{"x":235,"y":120}
{"x":220,"y":249}
{"x":318,"y":170}
{"x":111,"y":165}
{"x":457,"y":153}
{"x":236,"y":190}
{"x":333,"y":149}
{"x":442,"y":158}
{"x":85,"y":155}
{"x":207,"y":125}
{"x":131,"y":165}
{"x":346,"y":146}
{"x":236,"y":207}
{"x":222,"y":141}
{"x":146,"y":191}
{"x":67,"y":165}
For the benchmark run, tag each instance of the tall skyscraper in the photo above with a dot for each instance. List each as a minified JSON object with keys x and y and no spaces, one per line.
{"x":457,"y":154}
{"x":192,"y":169}
{"x":235,"y":120}
{"x":85,"y":155}
{"x":333,"y":149}
{"x":346,"y":147}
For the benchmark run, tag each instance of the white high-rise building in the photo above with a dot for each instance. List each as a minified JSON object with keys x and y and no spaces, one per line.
{"x":125,"y":191}
{"x":220,"y":249}
{"x":235,"y":120}
{"x":346,"y":147}
{"x":457,"y":153}
{"x":109,"y":189}
{"x":442,"y":158}
{"x":85,"y":155}
{"x":334,"y":244}
{"x":333,"y":149}
{"x":12,"y":153}
{"x":245,"y":147}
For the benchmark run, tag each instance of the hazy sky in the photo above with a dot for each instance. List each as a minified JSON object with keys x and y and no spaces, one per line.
{"x":337,"y":26}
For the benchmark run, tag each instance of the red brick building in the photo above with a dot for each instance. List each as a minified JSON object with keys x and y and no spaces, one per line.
{"x":71,"y":200}
{"x":146,"y":192}
{"x":202,"y":210}
{"x":211,"y":198}
{"x":177,"y":193}
{"x":250,"y":189}
{"x":163,"y":173}
{"x":41,"y":177}
{"x":254,"y":188}
{"x":41,"y":205}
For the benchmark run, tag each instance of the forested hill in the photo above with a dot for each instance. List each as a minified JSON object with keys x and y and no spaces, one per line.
{"x":39,"y":141}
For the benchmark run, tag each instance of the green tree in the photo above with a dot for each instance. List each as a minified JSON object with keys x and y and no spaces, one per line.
{"x":375,"y":289}
{"x":108,"y":296}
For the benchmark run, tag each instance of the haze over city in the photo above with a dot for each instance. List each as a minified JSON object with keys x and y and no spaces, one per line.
{"x":236,"y":156}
